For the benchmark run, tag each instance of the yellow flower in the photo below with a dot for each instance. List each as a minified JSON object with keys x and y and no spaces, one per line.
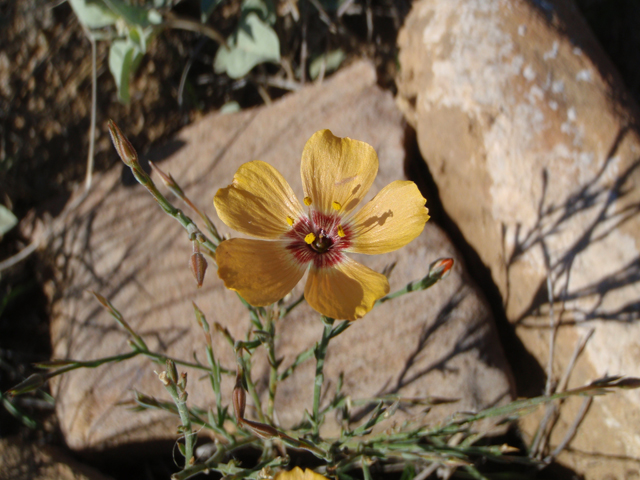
{"x":336,"y":175}
{"x":298,"y":474}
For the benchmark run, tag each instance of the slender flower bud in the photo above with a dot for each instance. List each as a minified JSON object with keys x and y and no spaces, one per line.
{"x":262,"y":430}
{"x":31,"y":383}
{"x":441,"y":268}
{"x":168,"y":180}
{"x":182,"y":383}
{"x":198,"y":264}
{"x":172,"y":371}
{"x":239,"y":403}
{"x":124,"y":148}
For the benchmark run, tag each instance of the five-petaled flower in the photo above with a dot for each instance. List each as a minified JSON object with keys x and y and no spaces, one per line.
{"x":336,"y":175}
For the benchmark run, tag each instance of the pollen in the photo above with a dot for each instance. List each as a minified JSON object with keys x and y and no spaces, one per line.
{"x":340,"y":231}
{"x":290,"y":220}
{"x":336,"y":206}
{"x":309,"y":238}
{"x":307,"y":201}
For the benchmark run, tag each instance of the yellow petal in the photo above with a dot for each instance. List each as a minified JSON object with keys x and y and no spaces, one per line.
{"x":261,"y":271}
{"x":298,"y":474}
{"x":337,"y":172}
{"x":346,"y":291}
{"x":259,"y":202}
{"x":394,"y":217}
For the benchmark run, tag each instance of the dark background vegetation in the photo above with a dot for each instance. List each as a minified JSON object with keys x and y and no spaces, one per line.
{"x":45,"y":97}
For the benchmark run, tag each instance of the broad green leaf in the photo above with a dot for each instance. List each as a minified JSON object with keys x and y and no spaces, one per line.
{"x":7,"y":220}
{"x":263,"y":8}
{"x":207,"y":7}
{"x":93,"y":14}
{"x":133,"y":15}
{"x":253,"y":42}
{"x":124,"y":57}
{"x":332,"y":61}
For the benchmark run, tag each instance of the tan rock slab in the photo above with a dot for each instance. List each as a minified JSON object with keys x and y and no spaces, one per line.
{"x":526,"y":130}
{"x":439,"y":342}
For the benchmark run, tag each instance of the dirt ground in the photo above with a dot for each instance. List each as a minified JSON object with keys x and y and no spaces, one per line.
{"x":45,"y":99}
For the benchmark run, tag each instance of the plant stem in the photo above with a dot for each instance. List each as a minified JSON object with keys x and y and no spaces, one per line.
{"x":273,"y":365}
{"x":180,"y":399}
{"x":320,"y":353}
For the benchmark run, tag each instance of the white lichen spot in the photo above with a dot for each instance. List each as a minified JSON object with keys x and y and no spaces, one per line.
{"x":571,"y":114}
{"x":517,"y":63}
{"x":535,"y":94}
{"x":553,"y":105}
{"x":553,"y":53}
{"x":577,"y":51}
{"x":583,"y":75}
{"x":522,"y":30}
{"x":529,"y":73}
{"x":585,"y":159}
{"x":557,"y":86}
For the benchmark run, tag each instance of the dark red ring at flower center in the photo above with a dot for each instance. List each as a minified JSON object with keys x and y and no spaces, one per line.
{"x":326,"y":248}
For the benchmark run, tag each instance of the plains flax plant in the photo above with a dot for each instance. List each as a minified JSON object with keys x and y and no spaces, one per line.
{"x":291,"y":238}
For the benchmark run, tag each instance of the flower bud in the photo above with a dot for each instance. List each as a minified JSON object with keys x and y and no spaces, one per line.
{"x":262,"y":429}
{"x":124,"y":148}
{"x":441,"y":268}
{"x":172,"y":371}
{"x":239,"y":398}
{"x":168,"y":180}
{"x":198,"y":265}
{"x":31,"y":383}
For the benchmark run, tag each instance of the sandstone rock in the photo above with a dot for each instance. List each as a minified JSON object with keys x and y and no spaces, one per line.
{"x":25,"y":461}
{"x":440,"y":342}
{"x":525,"y":129}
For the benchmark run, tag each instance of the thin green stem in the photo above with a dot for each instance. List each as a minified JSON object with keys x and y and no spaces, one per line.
{"x":273,"y":365}
{"x":320,"y":354}
{"x":251,"y":388}
{"x":180,"y":399}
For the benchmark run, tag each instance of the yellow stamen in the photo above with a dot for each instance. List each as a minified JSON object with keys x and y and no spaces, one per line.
{"x":336,"y":206}
{"x":340,"y":231}
{"x":309,"y":238}
{"x":307,"y":201}
{"x":290,"y":220}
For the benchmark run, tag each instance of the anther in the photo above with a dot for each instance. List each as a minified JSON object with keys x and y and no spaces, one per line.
{"x":340,"y":231}
{"x":309,"y":238}
{"x":307,"y":201}
{"x":290,"y":220}
{"x":336,"y":206}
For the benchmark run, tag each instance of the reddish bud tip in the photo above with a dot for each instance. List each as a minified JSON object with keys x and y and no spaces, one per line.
{"x":441,"y":268}
{"x":198,"y":265}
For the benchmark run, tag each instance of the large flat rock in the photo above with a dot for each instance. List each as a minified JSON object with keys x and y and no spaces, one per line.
{"x":440,"y":342}
{"x":529,"y":136}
